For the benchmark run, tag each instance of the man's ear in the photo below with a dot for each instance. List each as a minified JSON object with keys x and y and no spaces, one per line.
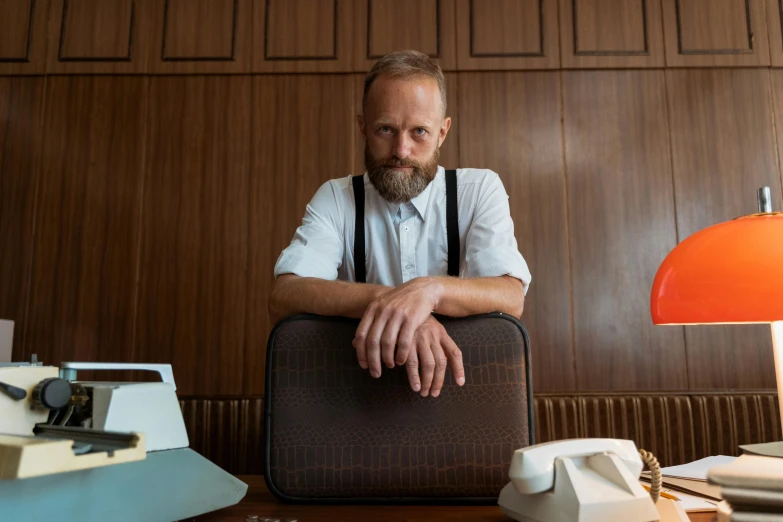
{"x":444,"y":129}
{"x":362,"y":127}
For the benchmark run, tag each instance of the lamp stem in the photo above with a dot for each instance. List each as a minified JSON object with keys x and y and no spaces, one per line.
{"x":777,"y":348}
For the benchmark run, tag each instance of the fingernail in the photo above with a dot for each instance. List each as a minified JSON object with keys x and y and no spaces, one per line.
{"x":461,"y":381}
{"x":416,"y":387}
{"x":390,"y":365}
{"x":363,"y":365}
{"x":375,"y":373}
{"x":424,"y":393}
{"x":436,"y":393}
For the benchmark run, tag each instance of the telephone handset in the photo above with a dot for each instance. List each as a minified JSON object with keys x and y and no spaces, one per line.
{"x":577,"y":480}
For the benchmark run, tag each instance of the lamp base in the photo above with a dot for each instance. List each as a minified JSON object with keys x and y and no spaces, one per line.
{"x":766,"y":449}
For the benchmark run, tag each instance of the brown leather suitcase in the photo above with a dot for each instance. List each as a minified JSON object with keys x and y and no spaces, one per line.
{"x":334,"y":434}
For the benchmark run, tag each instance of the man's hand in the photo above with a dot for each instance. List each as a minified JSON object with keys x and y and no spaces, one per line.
{"x":433,"y":349}
{"x":392,"y":320}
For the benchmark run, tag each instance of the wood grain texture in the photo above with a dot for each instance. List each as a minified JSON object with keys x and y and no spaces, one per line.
{"x":507,"y":34}
{"x":775,"y":31}
{"x":621,"y":225}
{"x":718,"y":33}
{"x":611,"y":33}
{"x":776,"y":84}
{"x":449,"y":157}
{"x":192,"y":284}
{"x":302,"y":137}
{"x":723,"y":149}
{"x":98,"y":37}
{"x":383,"y":26}
{"x":83,"y":283}
{"x":201,"y":36}
{"x":21,"y":109}
{"x":516,"y":132}
{"x":303,"y":36}
{"x":23,"y":36}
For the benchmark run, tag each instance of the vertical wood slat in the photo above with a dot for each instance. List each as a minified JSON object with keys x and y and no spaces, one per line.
{"x":516,"y":132}
{"x":23,"y":27}
{"x":21,"y":112}
{"x":315,"y":113}
{"x":83,"y":281}
{"x":192,"y":286}
{"x":621,"y":227}
{"x":723,"y":149}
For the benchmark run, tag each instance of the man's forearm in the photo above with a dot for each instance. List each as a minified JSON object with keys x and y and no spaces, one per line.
{"x":462,"y":297}
{"x":308,"y":295}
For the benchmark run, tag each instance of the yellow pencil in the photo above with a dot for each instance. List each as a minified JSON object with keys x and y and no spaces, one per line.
{"x":663,"y":493}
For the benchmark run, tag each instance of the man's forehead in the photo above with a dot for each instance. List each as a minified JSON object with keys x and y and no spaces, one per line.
{"x":390,"y":95}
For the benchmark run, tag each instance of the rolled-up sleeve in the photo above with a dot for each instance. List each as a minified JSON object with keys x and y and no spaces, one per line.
{"x":490,"y":247}
{"x":317,"y":248}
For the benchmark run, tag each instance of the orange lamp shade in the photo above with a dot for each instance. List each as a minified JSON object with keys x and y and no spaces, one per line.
{"x":731,"y":272}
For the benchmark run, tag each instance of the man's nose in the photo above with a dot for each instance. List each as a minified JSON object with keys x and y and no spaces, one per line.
{"x":402,"y":146}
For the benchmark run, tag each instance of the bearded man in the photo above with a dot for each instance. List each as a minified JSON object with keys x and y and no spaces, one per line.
{"x":408,"y":238}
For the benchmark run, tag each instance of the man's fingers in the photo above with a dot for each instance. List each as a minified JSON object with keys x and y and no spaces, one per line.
{"x":360,"y":338}
{"x":389,"y":339}
{"x":405,"y":340}
{"x":373,"y":343}
{"x":412,"y":367}
{"x":440,"y":368}
{"x":454,"y":355}
{"x":427,"y":362}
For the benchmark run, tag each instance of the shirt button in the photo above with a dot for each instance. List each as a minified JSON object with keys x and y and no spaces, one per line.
{"x":406,"y":229}
{"x":408,"y":267}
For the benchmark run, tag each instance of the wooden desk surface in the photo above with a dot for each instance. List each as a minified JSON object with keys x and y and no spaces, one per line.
{"x":259,"y":501}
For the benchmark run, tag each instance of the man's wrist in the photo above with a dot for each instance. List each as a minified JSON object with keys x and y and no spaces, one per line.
{"x":438,"y":289}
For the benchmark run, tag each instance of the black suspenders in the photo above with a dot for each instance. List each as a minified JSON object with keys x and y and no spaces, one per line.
{"x":452,"y":230}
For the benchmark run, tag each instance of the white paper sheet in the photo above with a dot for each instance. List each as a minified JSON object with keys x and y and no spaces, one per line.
{"x":697,"y":470}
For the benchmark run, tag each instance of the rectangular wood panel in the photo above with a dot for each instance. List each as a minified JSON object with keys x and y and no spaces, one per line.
{"x":507,"y":34}
{"x":775,"y":31}
{"x":302,"y":136}
{"x":383,"y":26}
{"x":611,"y":33}
{"x":510,"y":123}
{"x":449,"y":157}
{"x":718,"y":33}
{"x":723,"y":149}
{"x":98,"y":37}
{"x":23,"y":36}
{"x":303,"y":36}
{"x":192,"y":283}
{"x":21,"y":109}
{"x":83,"y":283}
{"x":621,"y":225}
{"x":201,"y":36}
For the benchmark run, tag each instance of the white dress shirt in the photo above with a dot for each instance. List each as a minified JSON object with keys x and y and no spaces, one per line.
{"x":405,"y":241}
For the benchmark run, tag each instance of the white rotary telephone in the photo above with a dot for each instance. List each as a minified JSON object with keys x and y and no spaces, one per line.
{"x":578,"y":480}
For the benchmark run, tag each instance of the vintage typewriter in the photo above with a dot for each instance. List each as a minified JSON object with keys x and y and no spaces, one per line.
{"x":84,"y":451}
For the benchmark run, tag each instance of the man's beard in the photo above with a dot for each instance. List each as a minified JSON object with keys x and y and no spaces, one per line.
{"x":399,"y":186}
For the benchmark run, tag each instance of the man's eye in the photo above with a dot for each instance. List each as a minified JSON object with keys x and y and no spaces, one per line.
{"x":385,"y":128}
{"x":421,"y":132}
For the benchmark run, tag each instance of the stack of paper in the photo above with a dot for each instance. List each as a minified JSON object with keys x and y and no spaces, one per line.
{"x":752,"y":488}
{"x":688,"y":483}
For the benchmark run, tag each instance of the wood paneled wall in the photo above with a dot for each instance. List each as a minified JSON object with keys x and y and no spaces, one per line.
{"x":157,"y":155}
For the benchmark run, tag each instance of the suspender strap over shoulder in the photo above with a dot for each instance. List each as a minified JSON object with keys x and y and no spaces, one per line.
{"x":452,"y":227}
{"x":358,"y":234}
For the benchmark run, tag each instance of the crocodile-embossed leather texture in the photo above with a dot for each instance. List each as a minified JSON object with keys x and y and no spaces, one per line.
{"x":335,"y":432}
